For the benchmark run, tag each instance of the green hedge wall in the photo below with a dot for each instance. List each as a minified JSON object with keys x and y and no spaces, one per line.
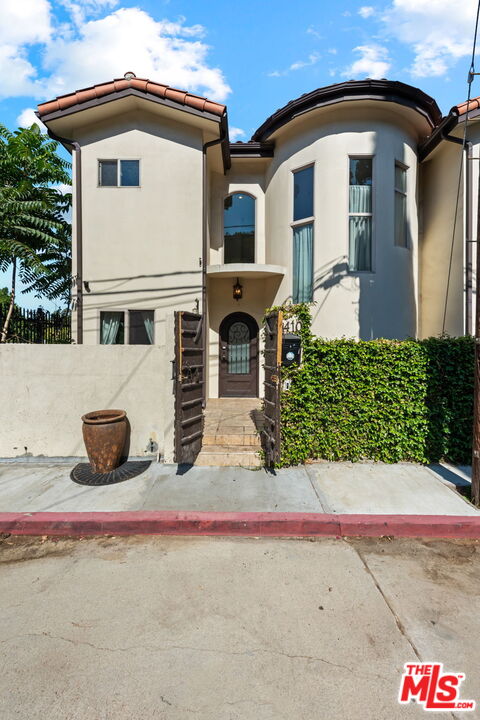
{"x":381,"y":400}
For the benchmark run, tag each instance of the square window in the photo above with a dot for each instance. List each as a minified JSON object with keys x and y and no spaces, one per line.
{"x":107,"y":173}
{"x":303,"y":193}
{"x":129,"y":173}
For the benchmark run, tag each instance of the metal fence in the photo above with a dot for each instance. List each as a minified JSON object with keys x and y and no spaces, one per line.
{"x":37,"y":326}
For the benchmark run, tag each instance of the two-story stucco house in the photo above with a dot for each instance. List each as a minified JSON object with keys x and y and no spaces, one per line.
{"x":345,"y":197}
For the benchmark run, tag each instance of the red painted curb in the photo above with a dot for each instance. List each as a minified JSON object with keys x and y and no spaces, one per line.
{"x":265,"y":524}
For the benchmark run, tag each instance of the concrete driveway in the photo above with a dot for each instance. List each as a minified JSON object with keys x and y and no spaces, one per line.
{"x":225,"y":629}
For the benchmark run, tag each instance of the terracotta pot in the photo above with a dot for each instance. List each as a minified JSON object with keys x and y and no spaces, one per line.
{"x":104,"y":434}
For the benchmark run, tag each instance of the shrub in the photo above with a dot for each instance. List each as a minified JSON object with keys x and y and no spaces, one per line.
{"x":383,"y":400}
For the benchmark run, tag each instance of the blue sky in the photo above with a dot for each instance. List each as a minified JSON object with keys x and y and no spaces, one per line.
{"x":255,"y":55}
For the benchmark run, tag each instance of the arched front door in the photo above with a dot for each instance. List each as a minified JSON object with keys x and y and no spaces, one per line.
{"x":238,"y":356}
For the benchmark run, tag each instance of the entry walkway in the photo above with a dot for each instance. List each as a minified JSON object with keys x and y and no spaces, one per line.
{"x":232,"y":433}
{"x":369,"y":488}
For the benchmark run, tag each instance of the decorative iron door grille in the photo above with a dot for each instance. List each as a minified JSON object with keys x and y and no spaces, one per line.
{"x":189,"y":386}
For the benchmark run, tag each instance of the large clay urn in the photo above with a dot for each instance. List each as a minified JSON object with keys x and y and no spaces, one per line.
{"x":104,"y":434}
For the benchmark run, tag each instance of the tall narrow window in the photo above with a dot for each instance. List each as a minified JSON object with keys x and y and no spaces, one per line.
{"x":239,"y":228}
{"x":302,"y":290}
{"x":360,"y":214}
{"x":400,"y":205}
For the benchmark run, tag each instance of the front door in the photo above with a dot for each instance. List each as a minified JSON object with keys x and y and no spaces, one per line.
{"x":238,"y":372}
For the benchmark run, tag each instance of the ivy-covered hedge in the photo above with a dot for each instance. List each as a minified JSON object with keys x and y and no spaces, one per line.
{"x":381,"y":400}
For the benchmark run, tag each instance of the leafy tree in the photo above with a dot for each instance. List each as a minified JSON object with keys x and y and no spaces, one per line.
{"x":4,"y":296}
{"x":33,"y":227}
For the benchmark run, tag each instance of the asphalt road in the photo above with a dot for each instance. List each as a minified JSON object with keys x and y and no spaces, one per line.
{"x":231,"y":629}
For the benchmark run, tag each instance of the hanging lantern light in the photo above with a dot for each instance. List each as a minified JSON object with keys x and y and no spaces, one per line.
{"x":237,"y":291}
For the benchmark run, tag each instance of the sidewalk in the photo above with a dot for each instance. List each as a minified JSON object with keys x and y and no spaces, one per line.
{"x":329,"y":488}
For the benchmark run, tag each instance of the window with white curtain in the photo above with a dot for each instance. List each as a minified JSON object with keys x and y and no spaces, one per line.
{"x":302,"y":227}
{"x":401,"y":205}
{"x":360,"y":214}
{"x":112,"y":328}
{"x":136,"y":325}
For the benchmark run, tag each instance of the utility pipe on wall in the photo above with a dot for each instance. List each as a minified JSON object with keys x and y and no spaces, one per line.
{"x":211,"y":143}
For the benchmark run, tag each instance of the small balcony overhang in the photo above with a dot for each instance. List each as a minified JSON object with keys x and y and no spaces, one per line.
{"x":245,"y":270}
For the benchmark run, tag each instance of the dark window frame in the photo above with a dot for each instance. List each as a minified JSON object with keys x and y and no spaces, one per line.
{"x":252,"y":197}
{"x":118,"y":162}
{"x":127,"y":324}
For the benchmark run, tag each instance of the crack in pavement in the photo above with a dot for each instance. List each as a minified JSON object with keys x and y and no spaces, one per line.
{"x":398,"y":622}
{"x":154,"y":648}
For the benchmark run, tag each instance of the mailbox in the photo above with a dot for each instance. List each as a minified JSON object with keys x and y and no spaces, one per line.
{"x":291,"y":350}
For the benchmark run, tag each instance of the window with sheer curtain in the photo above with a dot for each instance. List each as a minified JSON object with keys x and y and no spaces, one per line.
{"x":400,"y":206}
{"x":137,"y":325}
{"x":302,"y":228}
{"x":360,"y":214}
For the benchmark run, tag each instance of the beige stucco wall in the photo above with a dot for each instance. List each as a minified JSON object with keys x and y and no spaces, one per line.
{"x":439,"y":183}
{"x":141,"y":246}
{"x":47,"y":388}
{"x":382,"y":303}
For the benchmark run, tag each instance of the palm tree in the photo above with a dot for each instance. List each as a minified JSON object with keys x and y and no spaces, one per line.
{"x":32,"y":209}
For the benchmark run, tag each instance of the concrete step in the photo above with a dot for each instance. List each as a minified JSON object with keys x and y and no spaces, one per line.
{"x":224,"y":455}
{"x":249,"y":439}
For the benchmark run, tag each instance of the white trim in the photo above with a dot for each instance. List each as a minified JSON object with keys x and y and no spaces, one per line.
{"x":255,"y":199}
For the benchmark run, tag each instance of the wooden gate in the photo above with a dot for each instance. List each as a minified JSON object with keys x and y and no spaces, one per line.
{"x":189,"y":386}
{"x":273,"y":357}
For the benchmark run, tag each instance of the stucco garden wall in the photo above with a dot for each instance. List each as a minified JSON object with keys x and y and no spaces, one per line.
{"x":47,"y":388}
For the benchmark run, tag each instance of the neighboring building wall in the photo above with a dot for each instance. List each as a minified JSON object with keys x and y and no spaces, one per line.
{"x":51,"y":386}
{"x":439,"y":183}
{"x":141,"y":246}
{"x":382,"y":303}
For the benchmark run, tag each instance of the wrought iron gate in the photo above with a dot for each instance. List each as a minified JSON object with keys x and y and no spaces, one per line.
{"x":273,"y":357}
{"x":189,"y":386}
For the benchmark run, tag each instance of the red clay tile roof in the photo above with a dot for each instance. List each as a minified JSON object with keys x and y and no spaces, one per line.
{"x":474,"y":104}
{"x":148,"y":87}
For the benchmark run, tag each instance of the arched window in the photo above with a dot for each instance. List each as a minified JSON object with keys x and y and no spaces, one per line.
{"x":239,"y":228}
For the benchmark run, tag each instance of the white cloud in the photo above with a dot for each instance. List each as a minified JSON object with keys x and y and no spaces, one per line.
{"x":373,"y":62}
{"x":27,"y":118}
{"x":438,"y":32}
{"x":80,"y":9}
{"x":24,"y":22}
{"x":235,"y":133}
{"x":312,"y":59}
{"x":97,"y":50}
{"x":366,"y":11}
{"x":64,"y":188}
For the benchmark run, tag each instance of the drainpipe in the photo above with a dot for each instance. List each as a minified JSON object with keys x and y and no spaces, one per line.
{"x":468,"y":240}
{"x":211,"y":143}
{"x":79,"y":235}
